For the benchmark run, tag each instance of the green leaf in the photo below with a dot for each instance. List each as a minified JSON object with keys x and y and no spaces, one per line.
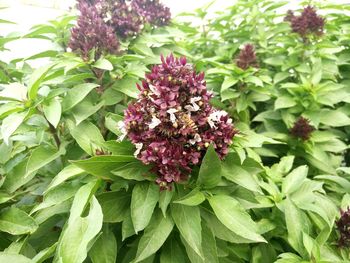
{"x":284,"y":102}
{"x":11,"y":123}
{"x":229,"y":81}
{"x":143,"y":201}
{"x":294,"y":179}
{"x":194,"y":198}
{"x":80,"y":231}
{"x":104,"y":64}
{"x":209,"y":248}
{"x":172,"y":252}
{"x":56,"y":196}
{"x":127,"y":86}
{"x":114,"y":205}
{"x":104,"y":249}
{"x":334,"y":118}
{"x":132,"y":171}
{"x":52,"y":112}
{"x":6,"y":257}
{"x":231,"y":213}
{"x":280,"y":76}
{"x":275,"y":61}
{"x":154,"y":236}
{"x":233,"y":171}
{"x":67,"y":173}
{"x":188,"y":221}
{"x":210,"y":170}
{"x":101,"y":166}
{"x":88,"y":136}
{"x":295,"y":226}
{"x":165,"y":198}
{"x":85,"y":109}
{"x":221,"y":231}
{"x":77,"y":94}
{"x":36,"y":79}
{"x":41,"y":156}
{"x":255,"y":80}
{"x":44,"y":254}
{"x":17,"y":222}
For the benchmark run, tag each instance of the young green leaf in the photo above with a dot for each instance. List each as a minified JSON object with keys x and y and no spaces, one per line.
{"x":114,"y":205}
{"x":102,"y":166}
{"x":188,"y":221}
{"x":17,"y":222}
{"x":294,"y":179}
{"x":52,"y":112}
{"x":104,"y":64}
{"x":194,"y":198}
{"x":210,"y":170}
{"x":143,"y":201}
{"x":172,"y":252}
{"x":11,"y":123}
{"x":80,"y":231}
{"x":104,"y":249}
{"x":231,"y":213}
{"x":154,"y":236}
{"x":165,"y":198}
{"x":77,"y":94}
{"x":36,"y":79}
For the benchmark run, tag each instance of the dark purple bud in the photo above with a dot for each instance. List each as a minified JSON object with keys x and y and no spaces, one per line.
{"x":308,"y":23}
{"x":302,"y":129}
{"x":247,"y":57}
{"x":343,"y":226}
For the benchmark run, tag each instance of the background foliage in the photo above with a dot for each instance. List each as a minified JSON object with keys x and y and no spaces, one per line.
{"x":71,"y":193}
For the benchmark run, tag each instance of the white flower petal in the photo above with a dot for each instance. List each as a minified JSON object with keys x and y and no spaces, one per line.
{"x":122,"y":129}
{"x":172,"y":114}
{"x":197,"y":138}
{"x":138,"y":149}
{"x":154,"y":123}
{"x":154,"y":90}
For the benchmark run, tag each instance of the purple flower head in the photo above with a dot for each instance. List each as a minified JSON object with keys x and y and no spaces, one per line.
{"x":152,"y":11}
{"x":343,"y":226}
{"x":302,"y":129}
{"x":172,"y":123}
{"x":247,"y":57}
{"x":91,"y":33}
{"x":307,"y":23}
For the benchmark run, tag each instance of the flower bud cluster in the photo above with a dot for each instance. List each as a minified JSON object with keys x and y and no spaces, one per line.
{"x":172,"y":123}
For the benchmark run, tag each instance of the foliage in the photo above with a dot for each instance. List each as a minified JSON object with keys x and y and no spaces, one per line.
{"x":70,"y":192}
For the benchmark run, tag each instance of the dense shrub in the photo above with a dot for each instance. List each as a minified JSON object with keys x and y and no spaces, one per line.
{"x":146,"y":139}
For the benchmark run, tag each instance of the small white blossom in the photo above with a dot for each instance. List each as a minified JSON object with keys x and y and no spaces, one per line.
{"x":154,"y":123}
{"x":215,"y":117}
{"x":138,"y":149}
{"x":154,"y":90}
{"x":194,"y":106}
{"x":122,"y":129}
{"x":197,"y":138}
{"x":172,"y":114}
{"x":108,"y":17}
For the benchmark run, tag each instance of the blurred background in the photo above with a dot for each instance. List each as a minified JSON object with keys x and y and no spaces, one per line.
{"x":27,"y":13}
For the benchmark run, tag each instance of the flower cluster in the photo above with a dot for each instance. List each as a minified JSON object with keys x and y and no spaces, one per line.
{"x":307,"y":23}
{"x":152,"y":11}
{"x":302,"y":129}
{"x":102,"y":21}
{"x":91,"y":33}
{"x":172,"y":123}
{"x":343,"y":225}
{"x":247,"y":57}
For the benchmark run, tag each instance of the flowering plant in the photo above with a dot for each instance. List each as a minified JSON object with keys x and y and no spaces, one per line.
{"x":172,"y":123}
